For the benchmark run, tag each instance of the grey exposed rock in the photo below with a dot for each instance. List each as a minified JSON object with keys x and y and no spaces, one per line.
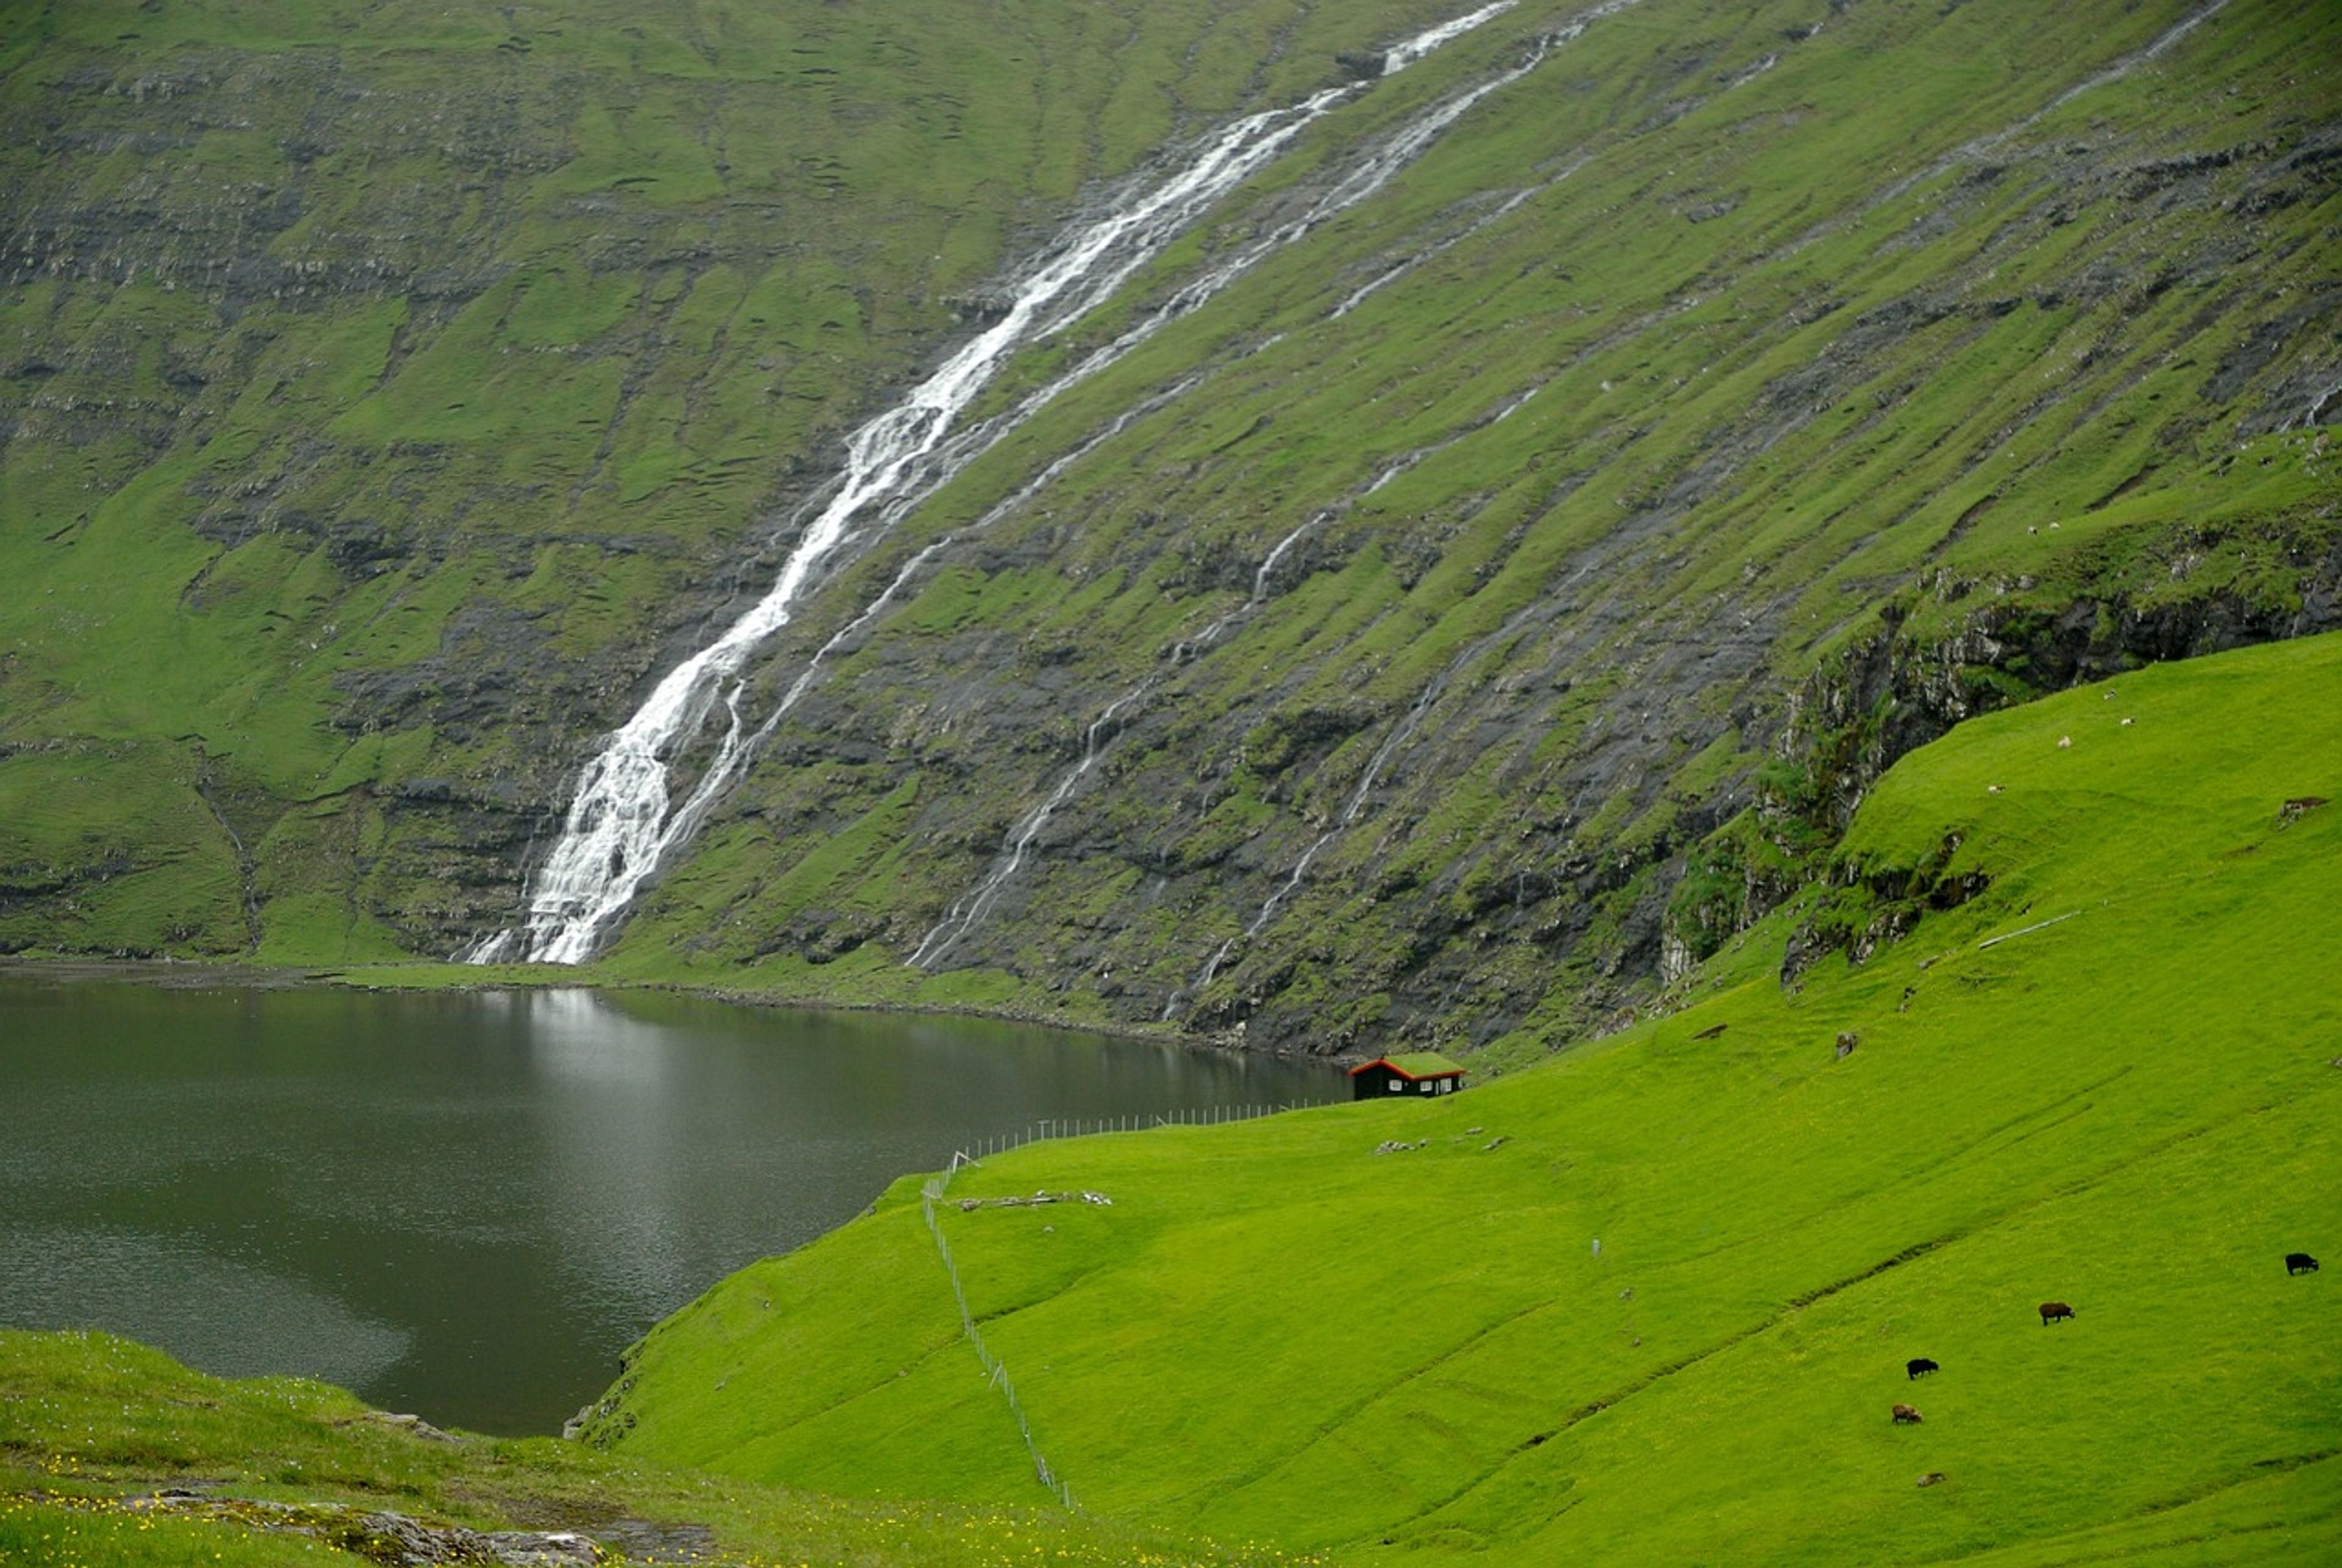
{"x":394,"y":1540}
{"x":1572,"y":721}
{"x":413,"y":1426}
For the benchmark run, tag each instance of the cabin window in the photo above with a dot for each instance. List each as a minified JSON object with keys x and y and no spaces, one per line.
{"x":1398,"y":1086}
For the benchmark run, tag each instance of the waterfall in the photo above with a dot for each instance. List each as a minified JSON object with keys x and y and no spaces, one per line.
{"x":1983,"y":147}
{"x":2315,"y":414}
{"x":968,"y":910}
{"x":1422,"y":43}
{"x":1399,"y":735}
{"x":619,"y":829}
{"x":1349,"y":813}
{"x":1366,"y":781}
{"x":734,"y":751}
{"x":1360,"y":295}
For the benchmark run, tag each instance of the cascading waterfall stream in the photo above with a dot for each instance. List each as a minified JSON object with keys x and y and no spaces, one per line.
{"x":1365,"y":176}
{"x":1191,"y":648}
{"x":1978,"y":147}
{"x":1349,"y":813}
{"x":1366,"y":781}
{"x":619,"y":830}
{"x":1405,"y":54}
{"x":687,"y":820}
{"x":1401,"y":732}
{"x":1366,"y":290}
{"x":967,"y":911}
{"x":2314,"y":414}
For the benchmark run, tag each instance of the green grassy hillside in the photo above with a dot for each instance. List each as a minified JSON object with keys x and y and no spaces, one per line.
{"x":381,"y":390}
{"x":1734,"y":397}
{"x":276,"y":1471}
{"x":1882,"y":365}
{"x":1652,"y":1301}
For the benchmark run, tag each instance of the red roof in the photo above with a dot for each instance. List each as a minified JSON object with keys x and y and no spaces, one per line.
{"x":1414,"y":1066}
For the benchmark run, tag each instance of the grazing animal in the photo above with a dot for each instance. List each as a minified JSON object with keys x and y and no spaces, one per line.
{"x":1933,"y":1478}
{"x":1905,"y":1416}
{"x":2294,"y":810}
{"x":2301,"y":1263}
{"x":1920,"y":1367}
{"x":2051,"y":1312}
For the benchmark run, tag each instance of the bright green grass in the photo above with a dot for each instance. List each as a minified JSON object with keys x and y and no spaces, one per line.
{"x":1277,"y":1331}
{"x":88,"y":1423}
{"x":2039,"y":436}
{"x":97,"y":1533}
{"x":672,"y":252}
{"x":669,"y":253}
{"x":123,"y":828}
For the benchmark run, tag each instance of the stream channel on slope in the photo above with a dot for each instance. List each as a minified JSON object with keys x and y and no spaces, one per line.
{"x":467,"y":1204}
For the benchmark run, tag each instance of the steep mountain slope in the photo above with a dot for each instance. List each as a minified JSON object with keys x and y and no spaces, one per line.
{"x":380,"y":390}
{"x":1480,"y":545}
{"x":1482,"y":607}
{"x":1652,"y":1302}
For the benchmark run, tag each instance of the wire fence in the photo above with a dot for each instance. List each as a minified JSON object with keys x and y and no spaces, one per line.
{"x":995,"y":1373}
{"x":932,"y":1191}
{"x":1086,"y":1126}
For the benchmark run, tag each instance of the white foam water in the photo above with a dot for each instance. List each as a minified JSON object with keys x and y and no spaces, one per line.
{"x":619,"y":828}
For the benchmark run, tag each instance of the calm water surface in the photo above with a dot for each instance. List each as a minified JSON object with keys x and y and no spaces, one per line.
{"x":466,"y":1205}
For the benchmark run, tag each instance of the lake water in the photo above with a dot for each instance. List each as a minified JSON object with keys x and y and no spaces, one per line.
{"x":468,"y":1205}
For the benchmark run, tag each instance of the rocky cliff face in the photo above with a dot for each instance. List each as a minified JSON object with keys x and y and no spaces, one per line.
{"x":1487,"y":603}
{"x":384,"y":399}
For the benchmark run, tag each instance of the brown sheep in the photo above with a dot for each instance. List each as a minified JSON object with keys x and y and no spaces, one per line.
{"x":2052,"y":1312}
{"x":1905,"y":1416}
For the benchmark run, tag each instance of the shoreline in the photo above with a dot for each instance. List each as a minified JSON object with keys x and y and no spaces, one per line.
{"x":193,"y":973}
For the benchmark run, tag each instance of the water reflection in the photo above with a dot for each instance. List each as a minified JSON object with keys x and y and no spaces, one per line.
{"x":467,"y":1204}
{"x":244,"y":1320}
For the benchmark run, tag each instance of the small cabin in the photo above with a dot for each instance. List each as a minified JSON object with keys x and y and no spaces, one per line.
{"x":1418,"y":1072}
